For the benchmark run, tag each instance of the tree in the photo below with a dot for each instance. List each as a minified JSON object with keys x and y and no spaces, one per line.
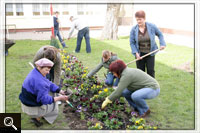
{"x":110,"y":29}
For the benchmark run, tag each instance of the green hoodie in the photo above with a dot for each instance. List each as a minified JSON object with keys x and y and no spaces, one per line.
{"x":133,"y":79}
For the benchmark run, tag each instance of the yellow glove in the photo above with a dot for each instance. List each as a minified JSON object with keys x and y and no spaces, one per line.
{"x":105,"y":103}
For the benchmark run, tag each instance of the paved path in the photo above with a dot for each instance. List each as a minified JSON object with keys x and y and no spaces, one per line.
{"x":122,"y":31}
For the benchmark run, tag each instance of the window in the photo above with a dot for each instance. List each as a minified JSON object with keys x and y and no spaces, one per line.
{"x":55,"y":8}
{"x":80,"y":9}
{"x":65,"y":10}
{"x":36,"y":9}
{"x":9,"y":9}
{"x":46,"y":9}
{"x":19,"y":10}
{"x":84,"y":9}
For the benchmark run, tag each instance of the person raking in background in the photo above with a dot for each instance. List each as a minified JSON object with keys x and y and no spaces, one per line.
{"x":36,"y":96}
{"x":135,"y":85}
{"x":83,"y":31}
{"x":142,"y":41}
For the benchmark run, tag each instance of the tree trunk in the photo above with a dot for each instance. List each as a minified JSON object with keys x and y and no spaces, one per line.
{"x":110,"y":29}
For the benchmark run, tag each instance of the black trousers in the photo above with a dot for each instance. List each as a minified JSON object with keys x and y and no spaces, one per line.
{"x":148,"y":62}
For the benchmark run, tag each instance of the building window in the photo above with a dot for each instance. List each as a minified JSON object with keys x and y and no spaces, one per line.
{"x":46,"y":9}
{"x":84,"y":9}
{"x":65,"y":10}
{"x":19,"y":10}
{"x":56,"y":9}
{"x":36,"y":9}
{"x":80,"y":9}
{"x":9,"y":9}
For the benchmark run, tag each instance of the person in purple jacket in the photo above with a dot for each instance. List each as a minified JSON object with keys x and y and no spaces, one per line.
{"x":37,"y":98}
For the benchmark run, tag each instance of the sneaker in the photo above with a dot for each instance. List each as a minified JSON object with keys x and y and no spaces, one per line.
{"x":74,"y":52}
{"x":114,"y":87}
{"x":59,"y":102}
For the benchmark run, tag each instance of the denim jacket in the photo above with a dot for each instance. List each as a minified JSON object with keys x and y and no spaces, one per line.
{"x":152,"y":31}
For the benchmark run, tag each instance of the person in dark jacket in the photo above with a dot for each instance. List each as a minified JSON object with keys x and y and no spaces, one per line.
{"x":107,"y":58}
{"x":142,"y":41}
{"x":135,"y":85}
{"x":37,"y":98}
{"x":56,"y":29}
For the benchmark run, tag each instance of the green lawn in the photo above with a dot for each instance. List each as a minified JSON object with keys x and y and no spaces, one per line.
{"x":172,"y":109}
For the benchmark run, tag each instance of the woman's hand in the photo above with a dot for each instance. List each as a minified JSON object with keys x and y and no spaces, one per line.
{"x":162,"y":47}
{"x":138,"y":56}
{"x":61,"y":98}
{"x":62,"y":92}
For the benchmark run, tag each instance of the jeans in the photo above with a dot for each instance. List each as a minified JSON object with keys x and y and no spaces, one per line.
{"x":148,"y":62}
{"x":83,"y":33}
{"x":57,"y":33}
{"x":110,"y":78}
{"x":137,"y":98}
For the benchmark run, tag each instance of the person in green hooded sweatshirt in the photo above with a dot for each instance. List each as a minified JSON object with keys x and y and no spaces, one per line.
{"x":107,"y":58}
{"x":135,"y":85}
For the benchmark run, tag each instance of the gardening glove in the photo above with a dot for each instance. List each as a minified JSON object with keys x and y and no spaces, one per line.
{"x":105,"y":103}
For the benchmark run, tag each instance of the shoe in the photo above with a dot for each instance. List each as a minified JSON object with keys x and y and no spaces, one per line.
{"x":114,"y":87}
{"x":59,"y":102}
{"x":145,"y":114}
{"x":75,"y":52}
{"x":36,"y":122}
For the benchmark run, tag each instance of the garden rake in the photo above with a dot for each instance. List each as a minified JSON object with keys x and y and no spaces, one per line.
{"x":143,"y":56}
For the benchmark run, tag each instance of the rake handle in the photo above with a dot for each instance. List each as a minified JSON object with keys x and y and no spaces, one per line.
{"x":143,"y":56}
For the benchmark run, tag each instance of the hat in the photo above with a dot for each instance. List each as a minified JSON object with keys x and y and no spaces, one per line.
{"x":44,"y":62}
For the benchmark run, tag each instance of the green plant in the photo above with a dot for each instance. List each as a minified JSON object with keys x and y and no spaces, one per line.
{"x":113,"y":123}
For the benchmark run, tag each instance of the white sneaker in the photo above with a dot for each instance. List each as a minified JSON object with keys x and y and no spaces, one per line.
{"x":114,"y":87}
{"x":59,"y":102}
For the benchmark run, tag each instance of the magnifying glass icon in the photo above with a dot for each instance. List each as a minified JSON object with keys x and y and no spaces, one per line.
{"x":8,"y":121}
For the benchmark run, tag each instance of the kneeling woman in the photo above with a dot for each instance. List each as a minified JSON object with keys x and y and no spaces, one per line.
{"x":37,"y":94}
{"x":135,"y":85}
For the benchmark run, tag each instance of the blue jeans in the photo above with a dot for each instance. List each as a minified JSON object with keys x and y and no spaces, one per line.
{"x":110,"y":78}
{"x":57,"y":33}
{"x":83,"y":33}
{"x":137,"y":98}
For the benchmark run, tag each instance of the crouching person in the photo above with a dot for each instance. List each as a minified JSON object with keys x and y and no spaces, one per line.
{"x":135,"y":85}
{"x":107,"y":58}
{"x":37,"y":98}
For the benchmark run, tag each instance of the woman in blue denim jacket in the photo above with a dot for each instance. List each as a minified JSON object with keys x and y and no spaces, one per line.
{"x":142,"y":41}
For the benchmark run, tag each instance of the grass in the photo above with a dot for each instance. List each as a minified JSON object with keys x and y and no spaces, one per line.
{"x":172,"y":109}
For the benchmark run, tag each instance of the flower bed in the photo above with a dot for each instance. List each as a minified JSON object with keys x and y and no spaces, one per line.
{"x":88,"y":95}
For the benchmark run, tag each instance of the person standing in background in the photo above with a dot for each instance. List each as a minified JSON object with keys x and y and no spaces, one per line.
{"x":142,"y":41}
{"x":56,"y":29}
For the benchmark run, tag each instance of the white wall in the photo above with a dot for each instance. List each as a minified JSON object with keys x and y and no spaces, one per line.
{"x":173,"y":16}
{"x":30,"y":21}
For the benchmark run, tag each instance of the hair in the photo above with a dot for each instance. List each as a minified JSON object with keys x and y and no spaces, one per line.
{"x":117,"y":66}
{"x":71,"y":17}
{"x":57,"y":12}
{"x":106,"y":54}
{"x":50,"y":53}
{"x":140,"y":14}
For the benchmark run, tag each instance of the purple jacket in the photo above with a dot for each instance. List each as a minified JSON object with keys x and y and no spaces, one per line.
{"x":38,"y":87}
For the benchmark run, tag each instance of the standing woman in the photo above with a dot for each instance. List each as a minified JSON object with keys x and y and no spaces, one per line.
{"x":36,"y":95}
{"x":107,"y":58}
{"x":142,"y":41}
{"x":135,"y":85}
{"x":52,"y":54}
